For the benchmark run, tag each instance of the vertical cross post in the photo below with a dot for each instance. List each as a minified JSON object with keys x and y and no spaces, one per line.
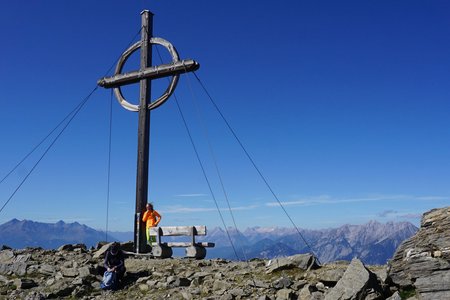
{"x":144,"y":75}
{"x":143,"y":133}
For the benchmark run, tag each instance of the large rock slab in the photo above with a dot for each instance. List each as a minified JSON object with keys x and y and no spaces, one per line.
{"x":102,"y":251}
{"x":423,"y":261}
{"x":301,"y":261}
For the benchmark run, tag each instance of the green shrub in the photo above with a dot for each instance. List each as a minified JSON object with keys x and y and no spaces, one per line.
{"x":408,"y":292}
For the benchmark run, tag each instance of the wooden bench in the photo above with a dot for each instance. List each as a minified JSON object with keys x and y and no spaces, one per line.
{"x":193,"y":248}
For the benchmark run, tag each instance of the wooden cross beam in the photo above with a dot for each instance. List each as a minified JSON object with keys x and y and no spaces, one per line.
{"x":151,"y":73}
{"x":144,"y":75}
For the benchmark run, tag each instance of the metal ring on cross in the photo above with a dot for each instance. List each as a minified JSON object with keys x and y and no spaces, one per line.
{"x":173,"y":83}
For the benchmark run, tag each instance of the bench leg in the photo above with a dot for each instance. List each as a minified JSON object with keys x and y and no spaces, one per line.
{"x":162,"y":251}
{"x":196,"y":252}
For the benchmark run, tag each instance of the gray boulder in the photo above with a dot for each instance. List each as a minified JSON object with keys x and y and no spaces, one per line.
{"x":285,"y":294}
{"x":19,"y":269}
{"x":10,"y":263}
{"x":354,"y":284}
{"x":282,"y":283}
{"x":395,"y":296}
{"x":6,"y":256}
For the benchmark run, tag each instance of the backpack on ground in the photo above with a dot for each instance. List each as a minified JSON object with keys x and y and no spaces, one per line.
{"x":109,"y":281}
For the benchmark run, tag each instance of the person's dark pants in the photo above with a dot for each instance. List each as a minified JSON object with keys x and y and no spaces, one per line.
{"x":120,"y":272}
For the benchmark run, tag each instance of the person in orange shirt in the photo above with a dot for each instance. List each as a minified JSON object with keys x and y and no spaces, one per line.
{"x":152,"y":219}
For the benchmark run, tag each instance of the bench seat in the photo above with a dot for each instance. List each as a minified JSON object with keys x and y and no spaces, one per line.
{"x":193,"y":249}
{"x":177,"y":230}
{"x":186,"y":244}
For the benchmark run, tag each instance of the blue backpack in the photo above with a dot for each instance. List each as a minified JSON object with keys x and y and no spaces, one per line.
{"x":109,"y":281}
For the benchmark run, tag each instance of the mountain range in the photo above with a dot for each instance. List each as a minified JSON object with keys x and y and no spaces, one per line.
{"x":373,"y":242}
{"x":25,"y":233}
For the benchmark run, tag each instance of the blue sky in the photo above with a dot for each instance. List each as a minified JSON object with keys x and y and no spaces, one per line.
{"x":343,"y":105}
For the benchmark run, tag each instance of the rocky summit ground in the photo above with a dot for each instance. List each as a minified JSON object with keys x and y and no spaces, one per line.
{"x":74,"y":272}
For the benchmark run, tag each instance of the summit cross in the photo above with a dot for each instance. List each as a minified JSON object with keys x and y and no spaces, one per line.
{"x":144,"y":75}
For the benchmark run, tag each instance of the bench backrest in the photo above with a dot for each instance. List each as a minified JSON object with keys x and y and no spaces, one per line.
{"x":178,"y":230}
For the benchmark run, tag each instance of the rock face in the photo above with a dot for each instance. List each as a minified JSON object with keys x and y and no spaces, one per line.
{"x":423,"y":261}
